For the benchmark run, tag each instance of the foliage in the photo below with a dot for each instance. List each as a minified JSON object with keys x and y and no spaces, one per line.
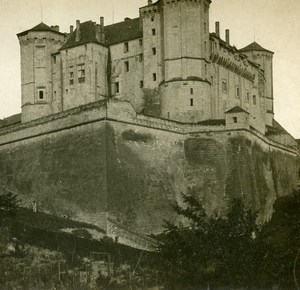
{"x":216,"y":252}
{"x":8,"y":205}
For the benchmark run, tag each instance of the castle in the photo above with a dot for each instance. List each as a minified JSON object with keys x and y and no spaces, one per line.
{"x":117,"y":121}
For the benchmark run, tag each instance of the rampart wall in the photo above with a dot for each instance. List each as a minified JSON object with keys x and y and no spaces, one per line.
{"x":104,"y":160}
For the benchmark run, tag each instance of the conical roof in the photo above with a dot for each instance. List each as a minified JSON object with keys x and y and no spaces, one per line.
{"x":40,"y":27}
{"x":254,"y":46}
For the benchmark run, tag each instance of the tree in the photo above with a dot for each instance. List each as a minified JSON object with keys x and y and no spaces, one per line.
{"x":282,"y":237}
{"x":217,"y":252}
{"x":8,"y":205}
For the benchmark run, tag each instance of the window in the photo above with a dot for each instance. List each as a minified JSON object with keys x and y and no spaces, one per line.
{"x":248,"y":97}
{"x":153,"y":31}
{"x":205,"y":46}
{"x":254,"y":100}
{"x":81,"y":73}
{"x":41,"y":95}
{"x":154,"y":50}
{"x":126,"y":63}
{"x":192,"y":102}
{"x":212,"y":80}
{"x":141,"y":57}
{"x":71,"y":78}
{"x":67,"y":52}
{"x":224,"y":86}
{"x":237,"y":91}
{"x":67,"y":91}
{"x":152,"y":18}
{"x":192,"y":91}
{"x":154,"y":76}
{"x":141,"y":84}
{"x":234,"y":119}
{"x":205,"y":68}
{"x":141,"y":42}
{"x":54,"y":59}
{"x":117,"y":84}
{"x":54,"y":94}
{"x":126,"y":47}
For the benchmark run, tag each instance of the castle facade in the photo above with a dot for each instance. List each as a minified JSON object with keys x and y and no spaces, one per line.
{"x":165,"y":63}
{"x":118,"y":121}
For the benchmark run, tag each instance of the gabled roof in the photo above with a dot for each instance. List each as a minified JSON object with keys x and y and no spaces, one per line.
{"x":115,"y":33}
{"x":236,"y":109}
{"x":87,"y":35}
{"x":40,"y":27}
{"x":254,"y":46}
{"x":123,"y":31}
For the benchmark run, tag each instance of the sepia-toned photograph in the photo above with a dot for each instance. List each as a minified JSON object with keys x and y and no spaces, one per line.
{"x":150,"y":145}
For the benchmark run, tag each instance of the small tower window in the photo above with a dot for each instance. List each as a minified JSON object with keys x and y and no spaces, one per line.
{"x":248,"y":97}
{"x":126,"y":47}
{"x":117,"y":84}
{"x":141,"y":84}
{"x":154,"y":50}
{"x":234,"y":119}
{"x":192,"y":102}
{"x":224,"y":86}
{"x":153,"y":31}
{"x":54,"y":59}
{"x":205,"y":68}
{"x":141,"y":57}
{"x":141,"y":41}
{"x":126,"y":63}
{"x":41,"y":95}
{"x":192,"y":91}
{"x":237,"y":91}
{"x":254,"y":100}
{"x":152,"y":18}
{"x":154,"y":76}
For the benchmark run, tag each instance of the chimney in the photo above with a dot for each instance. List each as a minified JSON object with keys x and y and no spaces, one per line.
{"x":149,"y":2}
{"x":98,"y":32}
{"x":77,"y":37}
{"x":218,"y":28}
{"x":102,"y":35}
{"x":71,"y":29}
{"x":227,"y":36}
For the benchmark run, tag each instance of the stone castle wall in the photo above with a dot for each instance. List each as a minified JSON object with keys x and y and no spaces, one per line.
{"x":104,"y":160}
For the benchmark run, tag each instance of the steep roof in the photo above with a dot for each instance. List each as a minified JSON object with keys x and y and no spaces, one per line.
{"x":123,"y":31}
{"x":236,"y":109}
{"x":114,"y":33}
{"x":87,"y":35}
{"x":254,"y":46}
{"x":40,"y":27}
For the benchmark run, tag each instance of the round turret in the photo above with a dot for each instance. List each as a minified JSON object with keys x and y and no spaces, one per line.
{"x":37,"y":46}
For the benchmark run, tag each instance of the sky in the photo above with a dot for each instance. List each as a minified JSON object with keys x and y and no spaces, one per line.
{"x":274,"y":24}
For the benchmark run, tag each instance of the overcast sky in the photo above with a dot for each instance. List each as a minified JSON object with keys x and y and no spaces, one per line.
{"x":274,"y":24}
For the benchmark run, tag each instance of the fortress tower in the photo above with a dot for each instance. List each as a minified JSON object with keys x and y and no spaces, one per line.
{"x":180,"y":30}
{"x":264,"y":58}
{"x":37,"y":46}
